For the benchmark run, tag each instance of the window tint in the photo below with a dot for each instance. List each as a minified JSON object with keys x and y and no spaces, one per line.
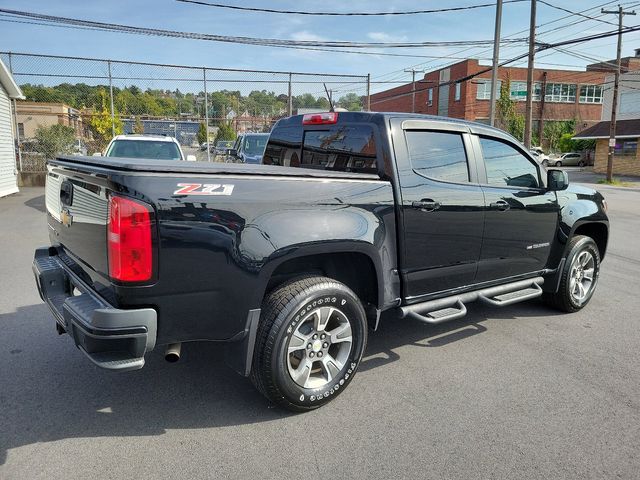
{"x":348,"y":148}
{"x":284,"y":147}
{"x":144,"y":149}
{"x":255,"y":144}
{"x":506,"y":166}
{"x":438,"y":155}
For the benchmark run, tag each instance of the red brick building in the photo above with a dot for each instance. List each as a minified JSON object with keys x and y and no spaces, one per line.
{"x":568,"y":94}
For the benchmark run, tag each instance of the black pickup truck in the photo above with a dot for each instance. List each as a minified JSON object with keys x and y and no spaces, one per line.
{"x":288,"y":264}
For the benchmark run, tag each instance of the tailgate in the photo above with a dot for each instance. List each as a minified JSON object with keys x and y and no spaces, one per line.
{"x":77,"y":214}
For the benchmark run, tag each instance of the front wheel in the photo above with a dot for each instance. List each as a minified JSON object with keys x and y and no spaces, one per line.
{"x":579,"y":276}
{"x":311,"y":337}
{"x":558,"y":164}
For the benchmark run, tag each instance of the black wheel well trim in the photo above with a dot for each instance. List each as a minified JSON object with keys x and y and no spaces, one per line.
{"x":595,"y":229}
{"x":297,"y":252}
{"x":577,"y":229}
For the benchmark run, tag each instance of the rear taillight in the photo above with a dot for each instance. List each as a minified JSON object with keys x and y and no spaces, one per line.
{"x":129,"y":240}
{"x":328,"y":118}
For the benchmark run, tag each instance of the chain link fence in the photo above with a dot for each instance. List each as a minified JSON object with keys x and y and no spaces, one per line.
{"x":76,"y":105}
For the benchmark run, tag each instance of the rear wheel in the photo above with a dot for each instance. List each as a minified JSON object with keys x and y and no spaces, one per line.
{"x":311,"y":338}
{"x":581,"y":163}
{"x":579,"y":276}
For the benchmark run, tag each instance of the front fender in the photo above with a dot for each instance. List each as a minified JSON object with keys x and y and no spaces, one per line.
{"x":578,"y":206}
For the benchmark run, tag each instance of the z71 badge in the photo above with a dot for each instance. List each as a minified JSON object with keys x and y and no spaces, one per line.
{"x":203,"y":189}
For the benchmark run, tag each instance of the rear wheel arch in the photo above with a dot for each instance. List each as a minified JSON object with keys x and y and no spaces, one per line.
{"x":356,"y":269}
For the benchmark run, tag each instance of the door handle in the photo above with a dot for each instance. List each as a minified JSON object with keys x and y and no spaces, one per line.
{"x":500,"y":205}
{"x":426,"y":205}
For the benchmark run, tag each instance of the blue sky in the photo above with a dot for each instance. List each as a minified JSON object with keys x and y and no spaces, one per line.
{"x":169,"y":14}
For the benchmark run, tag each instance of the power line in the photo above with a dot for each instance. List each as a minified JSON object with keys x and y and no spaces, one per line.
{"x":515,"y":33}
{"x":579,"y":14}
{"x":344,"y":14}
{"x":9,"y":19}
{"x":244,"y":40}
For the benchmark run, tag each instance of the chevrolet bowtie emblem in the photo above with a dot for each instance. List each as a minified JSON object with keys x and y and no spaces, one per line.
{"x":66,"y":218}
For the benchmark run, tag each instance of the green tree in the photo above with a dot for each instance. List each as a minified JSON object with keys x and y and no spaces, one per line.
{"x":225,"y":132}
{"x":351,"y":102}
{"x":138,"y":127}
{"x":508,"y":118}
{"x":567,"y":144}
{"x":101,"y":123}
{"x":202,"y":133}
{"x":553,"y":132}
{"x":54,"y":140}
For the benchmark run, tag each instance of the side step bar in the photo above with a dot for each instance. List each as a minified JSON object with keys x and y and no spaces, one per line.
{"x":451,"y":308}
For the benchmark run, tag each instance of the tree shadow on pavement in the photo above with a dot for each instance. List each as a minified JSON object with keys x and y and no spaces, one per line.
{"x":50,"y":391}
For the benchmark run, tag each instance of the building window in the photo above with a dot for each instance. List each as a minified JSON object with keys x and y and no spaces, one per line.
{"x":626,"y":148}
{"x":430,"y":97}
{"x":590,"y":94}
{"x":457,"y":94}
{"x":484,"y":89}
{"x":560,"y":92}
{"x":518,"y":91}
{"x":21,"y":130}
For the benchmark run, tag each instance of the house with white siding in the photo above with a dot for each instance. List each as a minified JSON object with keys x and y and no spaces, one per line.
{"x":9,"y":91}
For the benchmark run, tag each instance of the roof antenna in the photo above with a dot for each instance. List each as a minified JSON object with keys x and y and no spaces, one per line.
{"x":328,"y":92}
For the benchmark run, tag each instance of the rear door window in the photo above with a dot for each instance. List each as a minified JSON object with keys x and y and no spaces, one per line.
{"x":438,"y":155}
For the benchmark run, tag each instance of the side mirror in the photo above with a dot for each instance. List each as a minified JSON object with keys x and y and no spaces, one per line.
{"x":97,"y":154}
{"x":557,"y":180}
{"x":191,"y":158}
{"x":233,"y":152}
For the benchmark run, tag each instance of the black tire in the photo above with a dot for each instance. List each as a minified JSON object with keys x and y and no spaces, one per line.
{"x":581,"y":163}
{"x":283,"y":314}
{"x":563,"y":299}
{"x":558,"y":164}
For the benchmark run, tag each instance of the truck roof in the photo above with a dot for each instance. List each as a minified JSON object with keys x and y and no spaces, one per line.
{"x":381,"y":117}
{"x":145,"y":137}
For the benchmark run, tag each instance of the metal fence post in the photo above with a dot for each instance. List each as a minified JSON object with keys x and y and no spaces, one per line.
{"x":206,"y":111}
{"x":15,"y":121}
{"x":290,"y":103}
{"x":368,"y":105}
{"x":113,"y":117}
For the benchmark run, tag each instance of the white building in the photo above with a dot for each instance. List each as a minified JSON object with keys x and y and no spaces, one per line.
{"x":9,"y":91}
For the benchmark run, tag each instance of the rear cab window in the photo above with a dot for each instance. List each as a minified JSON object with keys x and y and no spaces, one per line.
{"x":348,"y":147}
{"x":158,"y":150}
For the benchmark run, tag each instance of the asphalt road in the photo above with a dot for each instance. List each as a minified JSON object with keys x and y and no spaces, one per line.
{"x":519,"y":392}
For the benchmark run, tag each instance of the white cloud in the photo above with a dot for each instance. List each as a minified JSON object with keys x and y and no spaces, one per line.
{"x":304,"y":35}
{"x":385,"y":37}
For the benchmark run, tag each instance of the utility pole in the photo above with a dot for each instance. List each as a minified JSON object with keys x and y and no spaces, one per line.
{"x":496,"y":59}
{"x":413,"y":87}
{"x":616,"y":83}
{"x":528,"y":118}
{"x":543,"y":91}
